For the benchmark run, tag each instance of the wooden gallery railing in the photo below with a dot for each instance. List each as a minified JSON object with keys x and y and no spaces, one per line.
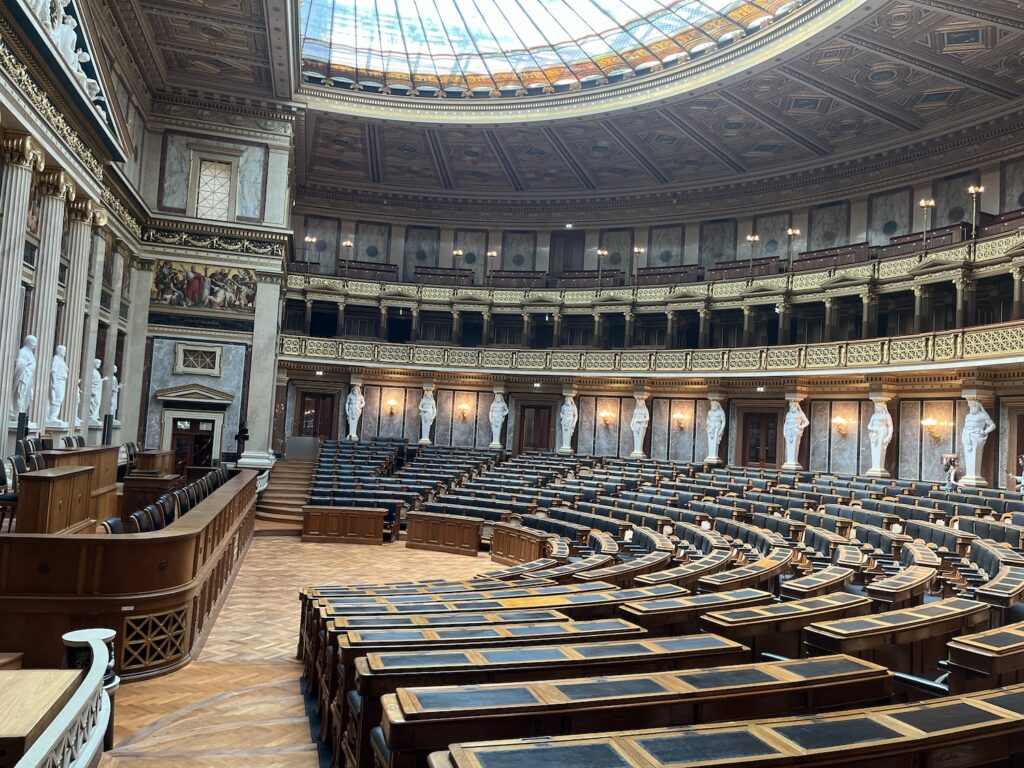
{"x":157,"y":591}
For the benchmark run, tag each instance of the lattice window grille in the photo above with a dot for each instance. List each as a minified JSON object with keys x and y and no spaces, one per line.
{"x":213,"y":195}
{"x":199,"y":359}
{"x":154,"y":639}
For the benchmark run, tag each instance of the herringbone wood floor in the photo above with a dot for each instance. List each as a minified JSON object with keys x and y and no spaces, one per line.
{"x":239,"y":703}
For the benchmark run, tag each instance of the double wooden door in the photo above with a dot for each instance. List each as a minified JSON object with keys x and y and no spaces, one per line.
{"x":192,"y":440}
{"x":534,"y":431}
{"x":760,"y":440}
{"x":316,"y":416}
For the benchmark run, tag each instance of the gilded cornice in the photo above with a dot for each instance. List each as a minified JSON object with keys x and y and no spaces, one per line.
{"x":24,"y":82}
{"x":208,"y":241}
{"x":114,"y":204}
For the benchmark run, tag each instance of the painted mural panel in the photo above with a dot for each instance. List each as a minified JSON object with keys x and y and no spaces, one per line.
{"x":890,"y":215}
{"x":771,"y":228}
{"x":185,"y":285}
{"x":373,"y":241}
{"x":829,"y":226}
{"x":666,"y":247}
{"x":619,"y":244}
{"x":473,"y":244}
{"x":717,"y":241}
{"x":519,"y":250}
{"x":324,"y":251}
{"x":1013,"y":185}
{"x":422,"y":248}
{"x":953,"y":202}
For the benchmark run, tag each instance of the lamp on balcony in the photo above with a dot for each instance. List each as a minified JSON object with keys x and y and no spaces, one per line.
{"x":926,"y":204}
{"x":753,"y":240}
{"x":793,"y":233}
{"x":975,"y":191}
{"x":347,"y":245}
{"x":491,"y":255}
{"x":601,"y":253}
{"x":309,"y":244}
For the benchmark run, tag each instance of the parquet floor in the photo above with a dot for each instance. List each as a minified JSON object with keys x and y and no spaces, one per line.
{"x":239,"y":703}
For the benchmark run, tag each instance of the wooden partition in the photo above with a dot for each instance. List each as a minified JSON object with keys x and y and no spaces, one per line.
{"x":514,"y":544}
{"x":350,"y":525}
{"x":104,"y":480}
{"x":55,"y":501}
{"x":443,"y":533}
{"x":157,"y":591}
{"x":159,"y":462}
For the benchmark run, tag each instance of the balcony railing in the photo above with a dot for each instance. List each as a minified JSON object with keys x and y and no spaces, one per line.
{"x":995,"y":344}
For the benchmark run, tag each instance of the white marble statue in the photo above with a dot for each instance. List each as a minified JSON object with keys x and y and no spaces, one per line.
{"x":879,"y":436}
{"x":568,"y":417}
{"x":24,"y":377}
{"x":428,"y":412}
{"x":58,"y":387}
{"x":78,"y":402}
{"x":96,"y":395}
{"x":354,"y":409}
{"x":978,"y":425}
{"x":115,"y":393}
{"x":792,"y":432}
{"x":715,"y":430}
{"x":498,"y":412}
{"x":641,"y":418}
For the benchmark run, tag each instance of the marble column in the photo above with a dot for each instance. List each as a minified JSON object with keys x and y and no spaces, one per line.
{"x":704,"y":329}
{"x":486,"y":335}
{"x":1018,"y":275}
{"x":783,"y":311}
{"x":525,"y":340}
{"x":595,"y":342}
{"x":20,"y":156}
{"x":57,"y":190}
{"x":414,"y":325}
{"x":84,"y":214}
{"x":964,"y":302}
{"x":920,"y":296}
{"x":456,"y":327}
{"x":134,"y":356}
{"x":830,"y":320}
{"x":556,"y":333}
{"x":383,"y":325}
{"x":670,"y":329}
{"x":109,"y":353}
{"x":308,"y":322}
{"x":259,"y":415}
{"x":868,"y":316}
{"x":92,"y":327}
{"x":339,"y":327}
{"x":628,"y":336}
{"x":748,"y":326}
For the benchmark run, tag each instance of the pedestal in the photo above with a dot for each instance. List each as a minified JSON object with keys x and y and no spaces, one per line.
{"x":875,"y":472}
{"x":973,"y":481}
{"x":565,"y":451}
{"x":792,"y":466}
{"x":256,"y":460}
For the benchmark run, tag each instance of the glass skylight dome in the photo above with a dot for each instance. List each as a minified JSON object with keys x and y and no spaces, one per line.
{"x":509,"y":47}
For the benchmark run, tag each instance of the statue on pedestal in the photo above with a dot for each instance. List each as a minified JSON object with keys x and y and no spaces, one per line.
{"x":354,"y":409}
{"x":715,"y":430}
{"x":978,"y":425}
{"x":792,"y":432}
{"x":115,"y":393}
{"x":567,"y":418}
{"x":498,"y":412}
{"x":428,"y":412}
{"x":641,"y":418}
{"x":879,"y":436}
{"x":24,"y":377}
{"x":58,"y":387}
{"x":96,"y":396}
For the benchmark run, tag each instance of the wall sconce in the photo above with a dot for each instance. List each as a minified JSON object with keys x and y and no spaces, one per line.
{"x":392,"y":404}
{"x":319,"y":373}
{"x":605,"y":417}
{"x":679,"y":419}
{"x":464,"y":410}
{"x":638,"y":251}
{"x":931,"y":426}
{"x":492,"y":254}
{"x":840,"y":425}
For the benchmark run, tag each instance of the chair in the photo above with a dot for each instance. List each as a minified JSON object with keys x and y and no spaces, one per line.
{"x":113,"y":525}
{"x":68,"y":442}
{"x":8,"y":497}
{"x":156,"y":517}
{"x":80,"y":441}
{"x":168,"y":506}
{"x":139,"y":522}
{"x":181,"y":497}
{"x":36,"y":461}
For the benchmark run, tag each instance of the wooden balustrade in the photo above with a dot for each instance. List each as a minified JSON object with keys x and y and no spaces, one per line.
{"x":157,"y":590}
{"x":443,"y":533}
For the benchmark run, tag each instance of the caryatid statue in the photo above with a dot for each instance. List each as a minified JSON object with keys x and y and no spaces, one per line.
{"x":879,"y":436}
{"x":497,"y":414}
{"x":978,"y":425}
{"x":428,"y":412}
{"x":96,"y":395}
{"x":354,"y":409}
{"x":792,"y":432}
{"x":24,"y":377}
{"x":58,"y":387}
{"x":638,"y":424}
{"x":715,"y":430}
{"x":567,"y":417}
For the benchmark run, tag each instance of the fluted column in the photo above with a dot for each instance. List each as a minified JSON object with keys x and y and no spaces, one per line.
{"x":704,"y":328}
{"x":486,"y":339}
{"x":748,"y":326}
{"x":1018,"y":274}
{"x":260,"y":405}
{"x":83,"y":215}
{"x":414,"y":326}
{"x":134,"y":356}
{"x":99,"y":256}
{"x":670,"y":330}
{"x":628,"y":340}
{"x":110,"y":351}
{"x":920,"y":297}
{"x":21,"y":156}
{"x":830,"y":320}
{"x":56,"y":190}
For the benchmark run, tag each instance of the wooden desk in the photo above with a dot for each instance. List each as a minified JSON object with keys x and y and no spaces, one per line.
{"x":31,"y":700}
{"x":987,"y":659}
{"x":514,"y":544}
{"x":104,"y":482}
{"x":679,"y":614}
{"x":443,"y":533}
{"x":903,"y":590}
{"x":351,"y":525}
{"x":159,"y":462}
{"x":55,"y":501}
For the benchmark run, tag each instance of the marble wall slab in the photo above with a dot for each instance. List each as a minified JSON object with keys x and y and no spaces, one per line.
{"x":829,"y":226}
{"x":585,"y":428}
{"x":818,"y":435}
{"x":473,"y":243}
{"x":659,"y":430}
{"x":845,"y":449}
{"x":909,"y":437}
{"x":369,"y":422}
{"x":519,"y":251}
{"x":1013,"y":185}
{"x":890,"y":214}
{"x":665,"y":248}
{"x":619,"y":244}
{"x":443,"y":423}
{"x":324,"y":251}
{"x":392,"y":424}
{"x":700,"y":432}
{"x":717,"y":241}
{"x":372,"y":241}
{"x":771,"y":228}
{"x":422,"y":248}
{"x":920,"y":454}
{"x":606,"y":436}
{"x":953,"y":202}
{"x":627,"y":405}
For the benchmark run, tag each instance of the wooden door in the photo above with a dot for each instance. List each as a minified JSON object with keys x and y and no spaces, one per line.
{"x":534,"y":431}
{"x":192,"y":441}
{"x":760,"y":440}
{"x":315,"y":416}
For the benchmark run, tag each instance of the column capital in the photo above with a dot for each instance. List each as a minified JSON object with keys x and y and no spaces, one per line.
{"x":140,"y":264}
{"x":828,"y":301}
{"x":1017,"y":271}
{"x":748,"y":310}
{"x":21,"y":149}
{"x":270,"y":277}
{"x":963,"y":283}
{"x":868,"y":296}
{"x":87,"y":211}
{"x":920,"y":290}
{"x":57,"y":183}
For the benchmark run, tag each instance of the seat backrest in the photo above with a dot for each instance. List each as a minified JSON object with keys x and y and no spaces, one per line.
{"x":19,"y":464}
{"x":156,"y":517}
{"x":80,"y":441}
{"x":36,"y":461}
{"x":140,"y":522}
{"x":67,"y":441}
{"x":184,"y":505}
{"x":113,"y":525}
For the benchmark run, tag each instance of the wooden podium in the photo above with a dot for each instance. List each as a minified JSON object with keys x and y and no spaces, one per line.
{"x":160,"y":462}
{"x":103,"y":504}
{"x":55,"y":501}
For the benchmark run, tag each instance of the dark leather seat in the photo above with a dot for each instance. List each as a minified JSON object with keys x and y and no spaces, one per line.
{"x":113,"y":525}
{"x":156,"y":516}
{"x":139,"y":522}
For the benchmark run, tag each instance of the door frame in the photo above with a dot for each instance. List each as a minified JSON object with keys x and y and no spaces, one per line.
{"x":300,"y":393}
{"x":551,"y":402}
{"x":167,"y":427}
{"x":739,"y":410}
